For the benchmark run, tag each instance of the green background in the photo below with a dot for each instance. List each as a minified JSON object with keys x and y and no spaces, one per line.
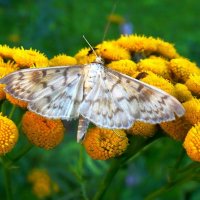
{"x":57,"y":26}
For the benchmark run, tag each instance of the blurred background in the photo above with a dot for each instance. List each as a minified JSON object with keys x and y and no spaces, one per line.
{"x":55,"y":27}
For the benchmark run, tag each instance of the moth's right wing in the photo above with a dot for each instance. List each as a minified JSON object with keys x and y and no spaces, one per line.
{"x":53,"y":92}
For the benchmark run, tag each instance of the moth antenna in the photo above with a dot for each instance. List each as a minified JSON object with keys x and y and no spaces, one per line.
{"x":90,"y":46}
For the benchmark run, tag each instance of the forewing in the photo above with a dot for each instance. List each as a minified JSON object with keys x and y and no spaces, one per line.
{"x":54,"y":92}
{"x":117,"y":100}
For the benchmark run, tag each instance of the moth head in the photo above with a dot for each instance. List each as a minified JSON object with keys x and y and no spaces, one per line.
{"x":99,"y":60}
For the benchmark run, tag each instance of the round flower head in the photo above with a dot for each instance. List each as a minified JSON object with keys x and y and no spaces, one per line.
{"x":28,"y":58}
{"x":7,"y":68}
{"x":135,"y":43}
{"x":102,"y":144}
{"x":42,"y":132}
{"x":156,"y":65}
{"x":142,"y":129}
{"x":182,"y":92}
{"x":62,"y":60}
{"x":112,"y":51}
{"x":177,"y":129}
{"x":16,"y":102}
{"x":192,"y":143}
{"x":193,"y":84}
{"x":166,"y":49}
{"x":124,"y":66}
{"x":85,"y":56}
{"x":192,"y":108}
{"x":181,"y":69}
{"x":159,"y":82}
{"x":8,"y":135}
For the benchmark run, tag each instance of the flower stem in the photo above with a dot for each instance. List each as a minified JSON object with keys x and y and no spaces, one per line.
{"x":136,"y":145}
{"x":12,"y":111}
{"x":8,"y":187}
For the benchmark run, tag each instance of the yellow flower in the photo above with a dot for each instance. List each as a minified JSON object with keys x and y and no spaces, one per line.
{"x":142,"y":129}
{"x":2,"y":93}
{"x":192,"y":111}
{"x":124,"y":66}
{"x":8,"y":135}
{"x":182,"y":92}
{"x":84,"y":56}
{"x":181,"y":69}
{"x":7,"y":52}
{"x":111,"y":51}
{"x":156,"y":65}
{"x":16,"y":102}
{"x":137,"y":43}
{"x":102,"y":144}
{"x":42,"y":132}
{"x":166,"y":49}
{"x":29,"y":58}
{"x":193,"y":83}
{"x":159,"y":82}
{"x":192,"y":143}
{"x":7,"y":68}
{"x":177,"y":129}
{"x":114,"y":18}
{"x":43,"y":186}
{"x":62,"y":60}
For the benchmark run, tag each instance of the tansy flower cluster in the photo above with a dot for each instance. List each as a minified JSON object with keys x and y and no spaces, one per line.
{"x":42,"y":184}
{"x":148,"y":59}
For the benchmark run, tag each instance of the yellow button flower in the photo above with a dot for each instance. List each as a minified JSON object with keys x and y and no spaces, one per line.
{"x":84,"y":56}
{"x":8,"y":135}
{"x":124,"y":66}
{"x":166,"y":49}
{"x":193,"y":83}
{"x":42,"y":132}
{"x":156,"y":65}
{"x":182,"y":92}
{"x":112,"y":51}
{"x":16,"y":102}
{"x":142,"y":129}
{"x":102,"y":144}
{"x":192,"y":143}
{"x":181,"y":69}
{"x":159,"y":82}
{"x":137,"y":43}
{"x":62,"y":60}
{"x":192,"y":111}
{"x":29,"y":58}
{"x":177,"y":129}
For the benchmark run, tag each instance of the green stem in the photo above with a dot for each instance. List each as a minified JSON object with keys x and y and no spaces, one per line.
{"x":8,"y":187}
{"x":25,"y":150}
{"x":136,"y":145}
{"x":168,"y":187}
{"x":12,"y":111}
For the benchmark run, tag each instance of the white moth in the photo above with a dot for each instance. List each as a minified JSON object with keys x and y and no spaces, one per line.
{"x":92,"y":93}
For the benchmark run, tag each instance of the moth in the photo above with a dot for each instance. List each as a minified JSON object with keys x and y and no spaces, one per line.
{"x":92,"y":93}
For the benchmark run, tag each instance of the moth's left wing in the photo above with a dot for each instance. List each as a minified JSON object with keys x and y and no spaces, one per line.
{"x":117,"y":100}
{"x":54,"y":92}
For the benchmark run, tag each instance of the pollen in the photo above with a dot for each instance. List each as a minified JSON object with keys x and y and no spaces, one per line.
{"x":103,"y":144}
{"x":8,"y":135}
{"x":42,"y":132}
